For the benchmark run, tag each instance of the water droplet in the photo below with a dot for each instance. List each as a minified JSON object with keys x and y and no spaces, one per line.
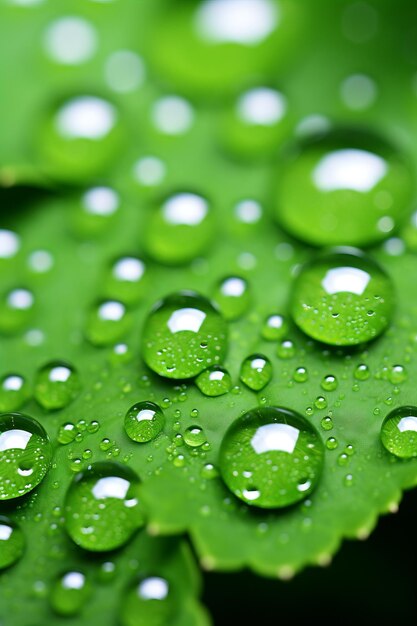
{"x":194,"y":436}
{"x":329,"y":383}
{"x":124,"y":71}
{"x":333,"y":294}
{"x":257,"y":123}
{"x":248,"y":211}
{"x":275,"y":327}
{"x":362,"y":372}
{"x":80,"y":138}
{"x":286,"y":349}
{"x":209,"y":471}
{"x":338,"y":188}
{"x":102,"y":507}
{"x":214,"y":381}
{"x":144,"y":421}
{"x":271,"y":457}
{"x":12,"y":542}
{"x":399,"y":432}
{"x":107,"y":322}
{"x":148,"y":602}
{"x":9,"y":244}
{"x":56,"y":385}
{"x":14,"y":392}
{"x":331,"y":443}
{"x":126,"y":280}
{"x":320,"y":402}
{"x":70,"y":40}
{"x":232,"y":294}
{"x":94,"y":212}
{"x":180,"y":229}
{"x":25,"y":454}
{"x":256,"y":371}
{"x":16,"y":309}
{"x":69,"y":593}
{"x":149,"y":171}
{"x":358,"y":92}
{"x":67,"y":433}
{"x":397,"y":374}
{"x":300,"y":375}
{"x":183,"y":335}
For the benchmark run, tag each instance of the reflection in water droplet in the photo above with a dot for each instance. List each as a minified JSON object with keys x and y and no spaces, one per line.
{"x":271,"y":457}
{"x":12,"y":542}
{"x":274,"y":327}
{"x":126,"y":281}
{"x":86,"y":117}
{"x":102,"y":507}
{"x":183,"y":335}
{"x":262,"y":106}
{"x":334,"y":294}
{"x":25,"y":454}
{"x":144,"y":421}
{"x":70,"y":40}
{"x":16,"y":310}
{"x":399,"y":432}
{"x":358,"y":92}
{"x":149,"y":171}
{"x":214,"y":381}
{"x":256,"y":371}
{"x":57,"y":383}
{"x":194,"y":436}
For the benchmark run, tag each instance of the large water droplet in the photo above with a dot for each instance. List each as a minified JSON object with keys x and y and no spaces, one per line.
{"x":57,"y":383}
{"x":14,"y":391}
{"x":148,"y":602}
{"x":180,"y":229}
{"x":144,"y":421}
{"x":102,"y":507}
{"x":69,"y":593}
{"x":256,"y":371}
{"x":271,"y":457}
{"x":12,"y":542}
{"x":344,"y":190}
{"x":214,"y":381}
{"x":342,"y":298}
{"x":183,"y":335}
{"x":399,"y":432}
{"x":25,"y":454}
{"x":232,"y":294}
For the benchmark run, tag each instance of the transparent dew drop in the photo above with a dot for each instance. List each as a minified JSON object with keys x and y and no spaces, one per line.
{"x":70,"y":593}
{"x":12,"y":542}
{"x":9,"y":244}
{"x":126,"y":280}
{"x":80,"y":138}
{"x":275,"y":327}
{"x":172,"y":115}
{"x":399,"y":432}
{"x":194,"y":436}
{"x":67,"y":433}
{"x":214,"y":381}
{"x":256,"y":371}
{"x":14,"y":392}
{"x":124,"y":71}
{"x":344,"y":189}
{"x":179,"y":229}
{"x":397,"y":374}
{"x":148,"y":601}
{"x":102,"y":507}
{"x":334,"y":294}
{"x":300,"y":375}
{"x":57,"y":383}
{"x":95,"y":212}
{"x":107,"y":322}
{"x":232,"y":294}
{"x":16,"y":310}
{"x":271,"y":457}
{"x":362,"y":372}
{"x":326,"y":423}
{"x":70,"y":40}
{"x":329,"y":383}
{"x":183,"y":335}
{"x":25,"y":454}
{"x":144,"y":421}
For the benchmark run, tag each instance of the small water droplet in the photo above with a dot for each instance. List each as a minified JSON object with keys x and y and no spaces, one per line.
{"x":256,"y":371}
{"x":12,"y":542}
{"x":232,"y":294}
{"x":214,"y":381}
{"x":144,"y":421}
{"x":57,"y":383}
{"x":399,"y":432}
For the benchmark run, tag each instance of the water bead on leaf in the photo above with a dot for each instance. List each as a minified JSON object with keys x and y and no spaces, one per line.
{"x":233,"y":296}
{"x":343,"y":189}
{"x":80,"y":138}
{"x":144,"y":421}
{"x":25,"y":454}
{"x":256,"y":371}
{"x":399,"y":432}
{"x":148,"y":602}
{"x":108,"y":321}
{"x":183,"y":335}
{"x":342,"y":298}
{"x":271,"y":457}
{"x":274,"y":327}
{"x":69,"y":593}
{"x":16,"y":309}
{"x":126,"y":280}
{"x":12,"y":542}
{"x":14,"y":392}
{"x":214,"y":381}
{"x":180,"y":229}
{"x":95,"y":211}
{"x":194,"y":436}
{"x":256,"y":124}
{"x":102,"y":507}
{"x":56,"y":385}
